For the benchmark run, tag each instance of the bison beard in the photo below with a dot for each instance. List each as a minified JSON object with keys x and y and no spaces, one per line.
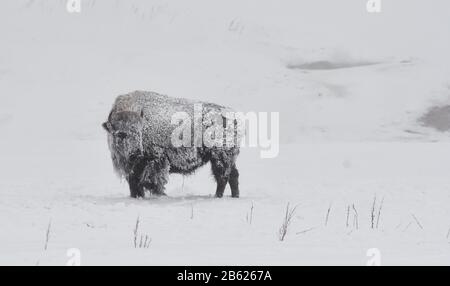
{"x":139,"y":131}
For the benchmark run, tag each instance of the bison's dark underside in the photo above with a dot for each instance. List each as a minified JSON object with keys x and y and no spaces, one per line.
{"x":150,"y":173}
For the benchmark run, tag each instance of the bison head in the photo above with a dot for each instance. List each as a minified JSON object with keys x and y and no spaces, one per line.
{"x":125,"y":136}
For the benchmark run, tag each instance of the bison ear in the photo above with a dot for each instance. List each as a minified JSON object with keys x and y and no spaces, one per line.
{"x":107,"y":126}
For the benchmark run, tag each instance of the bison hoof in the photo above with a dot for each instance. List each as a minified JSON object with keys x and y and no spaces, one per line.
{"x":137,"y":195}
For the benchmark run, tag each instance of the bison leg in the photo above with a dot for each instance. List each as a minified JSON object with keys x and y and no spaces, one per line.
{"x":157,"y":190}
{"x":135,"y":180}
{"x":221,"y":184}
{"x":221,"y":172}
{"x":234,"y":182}
{"x":136,"y":189}
{"x":156,"y":176}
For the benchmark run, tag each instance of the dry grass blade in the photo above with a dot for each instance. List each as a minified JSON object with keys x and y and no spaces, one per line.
{"x":372,"y":213}
{"x":417,"y":221}
{"x":286,"y":222}
{"x":135,"y":231}
{"x":379,"y":212}
{"x":328,"y":215}
{"x":47,"y":235}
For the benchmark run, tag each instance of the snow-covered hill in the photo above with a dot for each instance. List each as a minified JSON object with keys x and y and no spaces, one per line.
{"x":351,"y":87}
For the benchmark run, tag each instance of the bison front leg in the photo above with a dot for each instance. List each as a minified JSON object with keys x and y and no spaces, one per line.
{"x":156,"y":176}
{"x":155,"y":189}
{"x":135,"y":179}
{"x":136,"y":188}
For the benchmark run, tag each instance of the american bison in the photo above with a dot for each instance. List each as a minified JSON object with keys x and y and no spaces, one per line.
{"x":141,"y":132}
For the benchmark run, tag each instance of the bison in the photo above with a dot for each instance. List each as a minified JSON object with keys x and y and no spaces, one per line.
{"x":141,"y":129}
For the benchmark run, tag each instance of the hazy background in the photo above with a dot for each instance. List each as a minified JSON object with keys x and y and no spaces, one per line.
{"x":350,"y":87}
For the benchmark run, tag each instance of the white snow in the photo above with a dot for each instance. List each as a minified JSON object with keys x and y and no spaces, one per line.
{"x":348,"y":134}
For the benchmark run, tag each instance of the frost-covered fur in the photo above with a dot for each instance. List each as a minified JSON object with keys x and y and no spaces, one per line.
{"x":139,"y":136}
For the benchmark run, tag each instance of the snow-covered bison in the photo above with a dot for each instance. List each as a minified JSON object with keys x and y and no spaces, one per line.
{"x":142,"y":128}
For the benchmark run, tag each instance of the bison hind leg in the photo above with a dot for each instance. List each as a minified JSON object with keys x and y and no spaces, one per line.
{"x":221,"y":173}
{"x":234,"y":181}
{"x":224,"y":171}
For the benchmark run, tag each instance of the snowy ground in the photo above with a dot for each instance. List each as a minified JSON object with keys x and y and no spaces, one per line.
{"x":350,"y":88}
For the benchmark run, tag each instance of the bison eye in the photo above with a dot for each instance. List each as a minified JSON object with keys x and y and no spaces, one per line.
{"x":121,"y":135}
